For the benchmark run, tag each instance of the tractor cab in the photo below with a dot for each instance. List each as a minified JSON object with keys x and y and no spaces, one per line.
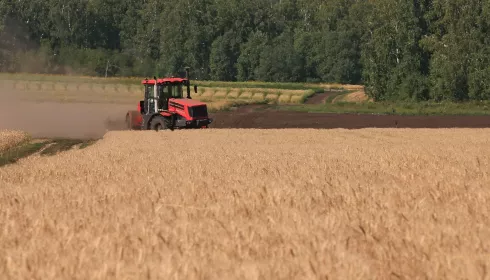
{"x":158,"y":93}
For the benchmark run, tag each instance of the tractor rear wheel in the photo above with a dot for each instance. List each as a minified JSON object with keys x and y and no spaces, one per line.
{"x":129,"y":123}
{"x":158,"y":123}
{"x":132,"y":120}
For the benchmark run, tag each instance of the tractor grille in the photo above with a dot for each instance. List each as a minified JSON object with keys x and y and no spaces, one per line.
{"x":198,"y":111}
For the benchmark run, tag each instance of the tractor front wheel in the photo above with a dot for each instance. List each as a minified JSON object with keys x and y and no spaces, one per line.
{"x":158,"y":123}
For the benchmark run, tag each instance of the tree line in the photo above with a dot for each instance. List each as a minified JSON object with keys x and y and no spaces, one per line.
{"x":399,"y":49}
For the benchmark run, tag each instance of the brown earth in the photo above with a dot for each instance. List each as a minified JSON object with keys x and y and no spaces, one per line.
{"x":268,"y":119}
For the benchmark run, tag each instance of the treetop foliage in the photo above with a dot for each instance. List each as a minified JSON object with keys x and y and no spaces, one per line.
{"x":399,"y":49}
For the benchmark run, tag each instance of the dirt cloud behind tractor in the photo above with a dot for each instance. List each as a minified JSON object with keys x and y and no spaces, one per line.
{"x":54,"y":119}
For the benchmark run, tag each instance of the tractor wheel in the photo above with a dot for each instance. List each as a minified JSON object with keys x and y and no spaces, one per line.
{"x":169,"y":122}
{"x":158,"y":123}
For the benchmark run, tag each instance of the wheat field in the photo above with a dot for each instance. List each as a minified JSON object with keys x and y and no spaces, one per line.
{"x":252,"y":204}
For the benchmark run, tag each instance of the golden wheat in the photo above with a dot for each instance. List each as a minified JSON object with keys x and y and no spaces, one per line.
{"x":252,"y":204}
{"x":272,"y":97}
{"x":233,"y":94}
{"x":284,"y":98}
{"x":11,"y":138}
{"x":340,"y":86}
{"x":246,"y":94}
{"x":357,"y":96}
{"x":296,"y":99}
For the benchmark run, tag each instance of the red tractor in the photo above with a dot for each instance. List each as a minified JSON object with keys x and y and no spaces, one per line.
{"x":164,"y":107}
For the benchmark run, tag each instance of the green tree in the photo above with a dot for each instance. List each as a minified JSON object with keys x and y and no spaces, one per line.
{"x":222,"y":58}
{"x":279,"y":61}
{"x":249,"y":60}
{"x":458,"y":43}
{"x":392,"y":58}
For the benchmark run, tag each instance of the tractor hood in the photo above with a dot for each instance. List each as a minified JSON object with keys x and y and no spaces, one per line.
{"x":187,"y":102}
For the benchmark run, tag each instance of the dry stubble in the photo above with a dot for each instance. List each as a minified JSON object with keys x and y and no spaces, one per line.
{"x":11,"y":138}
{"x":252,"y":204}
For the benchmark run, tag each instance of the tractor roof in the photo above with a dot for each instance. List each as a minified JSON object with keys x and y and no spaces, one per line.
{"x":164,"y":80}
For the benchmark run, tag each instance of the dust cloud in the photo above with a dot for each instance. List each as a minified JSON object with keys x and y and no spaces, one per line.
{"x":52,"y":119}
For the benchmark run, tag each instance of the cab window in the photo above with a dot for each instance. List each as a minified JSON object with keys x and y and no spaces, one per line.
{"x":176,"y":91}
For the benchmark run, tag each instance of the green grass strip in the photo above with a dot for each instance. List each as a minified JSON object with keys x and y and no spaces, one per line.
{"x":56,"y":146}
{"x":61,"y":145}
{"x":24,"y":150}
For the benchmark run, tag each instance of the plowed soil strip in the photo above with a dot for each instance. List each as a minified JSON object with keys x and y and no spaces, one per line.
{"x":286,"y":119}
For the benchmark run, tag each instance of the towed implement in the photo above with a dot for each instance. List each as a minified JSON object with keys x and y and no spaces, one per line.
{"x":164,"y":107}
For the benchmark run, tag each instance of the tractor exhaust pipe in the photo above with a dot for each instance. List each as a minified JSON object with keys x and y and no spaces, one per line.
{"x":155,"y":94}
{"x":187,"y":76}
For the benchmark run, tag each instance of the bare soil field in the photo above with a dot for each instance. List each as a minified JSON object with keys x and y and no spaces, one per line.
{"x":261,"y":117}
{"x":252,"y":204}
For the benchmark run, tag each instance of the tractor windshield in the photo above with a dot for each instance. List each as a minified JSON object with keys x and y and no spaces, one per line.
{"x":176,"y":90}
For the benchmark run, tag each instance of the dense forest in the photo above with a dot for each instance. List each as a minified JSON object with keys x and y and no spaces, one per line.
{"x":399,"y":49}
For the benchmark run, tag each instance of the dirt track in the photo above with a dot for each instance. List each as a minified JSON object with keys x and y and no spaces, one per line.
{"x":318,"y":98}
